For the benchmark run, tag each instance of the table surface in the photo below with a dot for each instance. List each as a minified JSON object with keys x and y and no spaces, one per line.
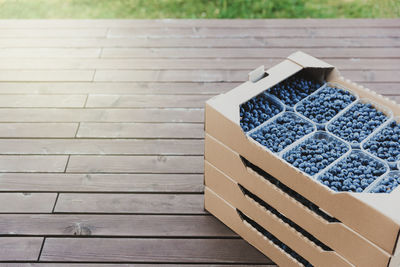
{"x":101,"y":129}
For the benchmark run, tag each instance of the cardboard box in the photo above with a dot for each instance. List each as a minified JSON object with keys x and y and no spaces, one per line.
{"x":229,"y":190}
{"x":352,"y":246}
{"x":230,"y":217}
{"x":374,"y":216}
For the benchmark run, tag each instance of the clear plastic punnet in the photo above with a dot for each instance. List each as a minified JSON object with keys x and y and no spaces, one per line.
{"x":385,"y":184}
{"x":322,"y":125}
{"x":296,"y":121}
{"x":361,"y":157}
{"x":355,"y":141}
{"x":272,"y":100}
{"x":318,"y":138}
{"x":372,"y":148}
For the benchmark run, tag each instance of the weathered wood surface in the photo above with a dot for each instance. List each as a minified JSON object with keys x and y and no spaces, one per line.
{"x":101,"y":131}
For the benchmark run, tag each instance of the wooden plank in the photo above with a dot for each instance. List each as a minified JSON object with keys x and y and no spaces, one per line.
{"x":141,"y":130}
{"x":199,"y":64}
{"x":91,"y":182}
{"x":135,"y":164}
{"x":46,"y":75}
{"x":20,"y":249}
{"x":101,"y":115}
{"x":126,"y":265}
{"x":143,"y":250}
{"x":162,"y":101}
{"x":26,"y":202}
{"x":247,"y":52}
{"x":228,"y":42}
{"x":206,"y":76}
{"x":42,"y":101}
{"x":115,"y":225}
{"x":179,"y":23}
{"x":13,"y":52}
{"x":141,"y":88}
{"x":121,"y":88}
{"x":93,"y":146}
{"x":221,"y":32}
{"x":131,"y":203}
{"x":29,"y":130}
{"x":22,"y":163}
{"x":53,"y":33}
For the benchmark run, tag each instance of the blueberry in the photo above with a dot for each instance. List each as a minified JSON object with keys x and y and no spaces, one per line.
{"x":311,"y":152}
{"x":383,"y":145}
{"x":357,"y":123}
{"x":294,"y":88}
{"x":387,"y":184}
{"x":257,"y":110}
{"x":324,"y":105}
{"x":357,"y":175}
{"x":282,"y":132}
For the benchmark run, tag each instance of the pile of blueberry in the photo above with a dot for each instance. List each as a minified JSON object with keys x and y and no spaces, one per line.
{"x":353,"y":173}
{"x":275,"y":240}
{"x":282,"y":132}
{"x":256,"y":111}
{"x":315,"y":154}
{"x":294,"y":89}
{"x":387,"y":184}
{"x":386,"y":143}
{"x":357,"y":123}
{"x":325,"y":104}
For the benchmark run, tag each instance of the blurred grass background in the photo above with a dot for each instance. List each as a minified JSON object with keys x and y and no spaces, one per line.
{"x":153,"y":9}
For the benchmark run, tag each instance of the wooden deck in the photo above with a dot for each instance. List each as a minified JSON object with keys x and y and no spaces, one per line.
{"x":101,"y":133}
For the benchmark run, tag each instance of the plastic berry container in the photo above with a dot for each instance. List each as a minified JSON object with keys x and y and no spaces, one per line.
{"x":316,"y":137}
{"x":356,"y":144}
{"x":322,"y":125}
{"x":272,"y":100}
{"x":386,"y":184}
{"x":398,"y":165}
{"x":361,"y":155}
{"x":305,"y":91}
{"x":295,"y":118}
{"x":393,"y":164}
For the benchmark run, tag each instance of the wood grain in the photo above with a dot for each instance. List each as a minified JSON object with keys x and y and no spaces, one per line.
{"x":130,"y":203}
{"x":141,"y":130}
{"x":92,"y":146}
{"x":91,"y":182}
{"x":142,"y":250}
{"x":20,"y":249}
{"x":23,"y":163}
{"x":116,"y":225}
{"x":27,"y":202}
{"x":136,"y":164}
{"x":34,"y":130}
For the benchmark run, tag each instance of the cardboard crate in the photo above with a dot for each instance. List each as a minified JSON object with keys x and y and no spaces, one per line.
{"x":235,"y":195}
{"x":223,"y":162}
{"x":231,"y":217}
{"x":374,"y":216}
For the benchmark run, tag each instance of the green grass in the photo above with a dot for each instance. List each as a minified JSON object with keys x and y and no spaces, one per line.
{"x":199,"y":9}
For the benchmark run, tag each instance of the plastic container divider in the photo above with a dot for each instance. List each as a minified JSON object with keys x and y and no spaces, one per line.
{"x":386,"y":111}
{"x":273,"y":119}
{"x":317,"y":135}
{"x":392,"y":164}
{"x":358,"y":151}
{"x":321,"y":126}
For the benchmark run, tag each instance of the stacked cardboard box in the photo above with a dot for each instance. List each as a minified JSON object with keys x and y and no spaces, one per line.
{"x":287,"y":214}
